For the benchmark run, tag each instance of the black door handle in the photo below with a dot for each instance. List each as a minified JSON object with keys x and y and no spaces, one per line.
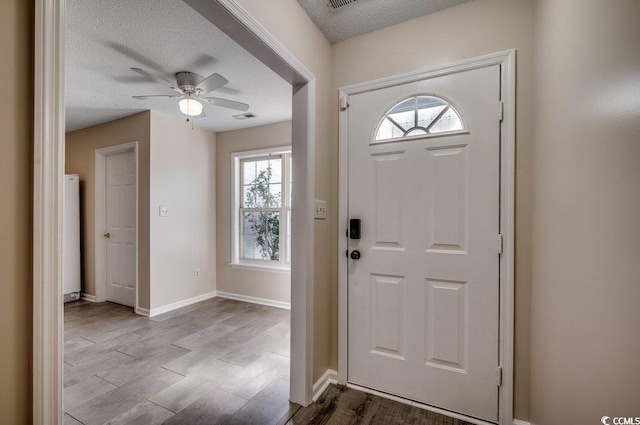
{"x":355,"y":255}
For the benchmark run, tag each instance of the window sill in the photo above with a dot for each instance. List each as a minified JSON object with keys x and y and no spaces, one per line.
{"x":261,"y":268}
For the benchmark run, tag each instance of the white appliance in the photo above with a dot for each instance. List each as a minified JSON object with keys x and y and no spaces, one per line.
{"x":71,"y":238}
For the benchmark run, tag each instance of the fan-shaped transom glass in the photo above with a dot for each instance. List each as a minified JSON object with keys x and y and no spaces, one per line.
{"x":419,"y":115}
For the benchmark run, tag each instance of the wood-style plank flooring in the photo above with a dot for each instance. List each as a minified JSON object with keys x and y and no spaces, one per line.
{"x":340,"y":405}
{"x":215,"y":362}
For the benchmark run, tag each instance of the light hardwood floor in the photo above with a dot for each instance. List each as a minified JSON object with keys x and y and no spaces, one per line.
{"x":215,"y":362}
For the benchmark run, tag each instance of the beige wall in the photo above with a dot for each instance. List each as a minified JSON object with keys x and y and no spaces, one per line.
{"x":182,"y":178}
{"x":585,"y":294}
{"x":288,"y":23}
{"x":270,"y":285}
{"x":16,"y":170}
{"x":472,"y":29}
{"x":80,"y":157}
{"x":586,"y":245}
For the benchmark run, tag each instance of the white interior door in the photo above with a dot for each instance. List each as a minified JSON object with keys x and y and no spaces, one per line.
{"x":121,"y":228}
{"x":423,"y":298}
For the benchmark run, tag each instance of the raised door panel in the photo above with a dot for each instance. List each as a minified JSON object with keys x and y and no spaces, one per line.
{"x":389,"y":170}
{"x":447,"y":203}
{"x":446,"y":325}
{"x":387,"y":316}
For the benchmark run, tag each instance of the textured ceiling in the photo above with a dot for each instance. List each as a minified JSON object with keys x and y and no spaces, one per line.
{"x":363,"y":16}
{"x":105,"y":38}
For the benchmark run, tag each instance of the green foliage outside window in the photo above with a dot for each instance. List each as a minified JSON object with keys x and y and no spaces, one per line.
{"x":265,"y":225}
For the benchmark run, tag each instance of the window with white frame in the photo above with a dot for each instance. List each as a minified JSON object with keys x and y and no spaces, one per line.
{"x":419,"y":116}
{"x":262,"y":208}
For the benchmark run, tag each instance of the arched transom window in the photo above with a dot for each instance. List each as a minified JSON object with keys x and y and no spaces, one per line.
{"x":419,"y":115}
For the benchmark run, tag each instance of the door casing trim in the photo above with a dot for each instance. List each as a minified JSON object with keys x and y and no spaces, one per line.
{"x":100,"y":218}
{"x":507,"y":62}
{"x":48,"y":173}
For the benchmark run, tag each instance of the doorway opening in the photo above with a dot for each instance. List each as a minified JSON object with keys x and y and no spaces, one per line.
{"x":49,"y":154}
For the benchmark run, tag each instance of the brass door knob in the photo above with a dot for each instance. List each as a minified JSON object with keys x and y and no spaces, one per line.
{"x":107,"y":235}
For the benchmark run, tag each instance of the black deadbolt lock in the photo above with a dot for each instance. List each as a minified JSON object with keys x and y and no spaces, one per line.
{"x":354,"y":228}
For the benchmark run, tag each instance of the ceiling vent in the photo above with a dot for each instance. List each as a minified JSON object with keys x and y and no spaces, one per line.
{"x":335,"y":4}
{"x":244,"y":116}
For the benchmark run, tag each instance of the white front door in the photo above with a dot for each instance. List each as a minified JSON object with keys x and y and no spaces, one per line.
{"x":423,"y":298}
{"x":121,"y":228}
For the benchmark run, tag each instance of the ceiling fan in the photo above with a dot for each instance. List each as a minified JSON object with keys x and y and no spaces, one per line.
{"x":192,"y":88}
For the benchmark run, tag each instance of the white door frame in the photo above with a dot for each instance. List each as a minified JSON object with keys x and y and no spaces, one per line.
{"x":101,"y":217}
{"x":507,"y":62}
{"x":48,"y":166}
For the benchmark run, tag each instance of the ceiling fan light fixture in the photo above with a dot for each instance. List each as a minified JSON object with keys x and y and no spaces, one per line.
{"x":190,"y":107}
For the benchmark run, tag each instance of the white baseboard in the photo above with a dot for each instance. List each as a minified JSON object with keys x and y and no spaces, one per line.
{"x":173,"y":306}
{"x":88,"y":297}
{"x":329,"y":377}
{"x":142,"y":311}
{"x":254,"y":300}
{"x":519,"y":422}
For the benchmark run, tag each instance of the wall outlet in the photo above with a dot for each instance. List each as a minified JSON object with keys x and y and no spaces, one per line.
{"x":321,"y":210}
{"x":164,"y":211}
{"x":196,"y":273}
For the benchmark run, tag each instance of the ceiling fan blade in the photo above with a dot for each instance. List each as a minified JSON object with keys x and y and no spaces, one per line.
{"x":155,"y":96}
{"x":211,"y":83}
{"x":225,"y":103}
{"x":156,"y":79}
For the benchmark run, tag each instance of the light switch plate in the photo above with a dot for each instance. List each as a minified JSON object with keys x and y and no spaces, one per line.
{"x":164,"y":211}
{"x":321,"y":210}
